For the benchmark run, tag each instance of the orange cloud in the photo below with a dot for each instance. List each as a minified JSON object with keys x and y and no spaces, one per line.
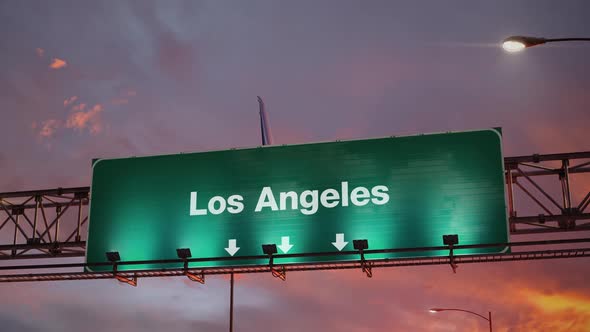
{"x":86,"y":120}
{"x":557,"y":300}
{"x":563,"y":311}
{"x":57,"y":63}
{"x":553,"y":303}
{"x":48,"y":128}
{"x":70,"y":100}
{"x":40,"y":52}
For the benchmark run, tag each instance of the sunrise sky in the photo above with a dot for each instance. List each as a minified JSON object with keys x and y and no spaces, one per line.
{"x":82,"y":80}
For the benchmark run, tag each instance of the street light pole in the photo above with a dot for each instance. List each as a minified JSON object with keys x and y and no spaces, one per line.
{"x":489,"y":318}
{"x":518,"y":43}
{"x":231,"y":302}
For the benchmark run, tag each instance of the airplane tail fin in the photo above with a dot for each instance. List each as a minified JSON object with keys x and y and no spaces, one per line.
{"x":265,"y":132}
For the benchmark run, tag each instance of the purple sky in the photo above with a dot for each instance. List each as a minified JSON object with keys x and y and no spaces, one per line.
{"x":121,"y":78}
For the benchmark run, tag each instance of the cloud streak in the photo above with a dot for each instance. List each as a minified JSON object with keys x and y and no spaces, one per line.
{"x":71,"y":100}
{"x":79,"y":107}
{"x":90,"y":120}
{"x":57,"y":63}
{"x":48,"y":128}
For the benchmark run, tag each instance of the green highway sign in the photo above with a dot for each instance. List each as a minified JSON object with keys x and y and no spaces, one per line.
{"x":396,"y":192}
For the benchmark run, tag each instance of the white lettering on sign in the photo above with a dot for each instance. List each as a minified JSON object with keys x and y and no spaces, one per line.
{"x":308,"y":202}
{"x":217,"y":205}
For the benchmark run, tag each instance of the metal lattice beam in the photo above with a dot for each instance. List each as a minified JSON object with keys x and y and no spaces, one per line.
{"x":554,"y":213}
{"x":43,"y":223}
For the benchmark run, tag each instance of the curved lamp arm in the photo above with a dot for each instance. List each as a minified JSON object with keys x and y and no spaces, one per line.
{"x":454,"y":309}
{"x":518,"y":43}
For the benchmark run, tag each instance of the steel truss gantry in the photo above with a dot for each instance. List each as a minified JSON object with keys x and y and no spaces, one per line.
{"x":43,"y":223}
{"x":524,"y":175}
{"x":53,"y":223}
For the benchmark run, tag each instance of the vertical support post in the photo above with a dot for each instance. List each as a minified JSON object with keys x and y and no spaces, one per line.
{"x":231,"y":302}
{"x":15,"y":236}
{"x":511,"y":207}
{"x":451,"y":240}
{"x":565,"y":184}
{"x":564,"y":177}
{"x":454,"y":265}
{"x":366,"y":267}
{"x":79,"y":219}
{"x":37,"y":204}
{"x":490,"y":320}
{"x":57,"y":213}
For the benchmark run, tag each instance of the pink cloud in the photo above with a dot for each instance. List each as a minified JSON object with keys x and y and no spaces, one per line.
{"x":48,"y":128}
{"x":40,"y":52}
{"x":96,"y":128}
{"x":70,"y":100}
{"x":547,"y":138}
{"x":120,"y":101}
{"x":86,"y":120}
{"x":57,"y":63}
{"x":79,"y":107}
{"x":176,"y":58}
{"x":124,"y":97}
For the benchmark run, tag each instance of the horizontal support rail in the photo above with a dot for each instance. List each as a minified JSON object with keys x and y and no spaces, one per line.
{"x":551,"y":172}
{"x":545,"y":218}
{"x":278,"y":257}
{"x":80,"y":244}
{"x":43,"y":192}
{"x":45,"y":205}
{"x":535,"y":158}
{"x":485,"y":258}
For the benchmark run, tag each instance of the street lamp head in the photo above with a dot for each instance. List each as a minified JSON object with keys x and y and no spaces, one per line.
{"x":434,"y":310}
{"x":512,"y":46}
{"x":518,"y":43}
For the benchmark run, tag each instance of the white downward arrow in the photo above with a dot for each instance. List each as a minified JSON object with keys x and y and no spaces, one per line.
{"x":285,"y":246}
{"x":231,"y":247}
{"x":339,"y":244}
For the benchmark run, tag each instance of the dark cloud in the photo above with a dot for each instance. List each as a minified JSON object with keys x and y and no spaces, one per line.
{"x":70,"y":317}
{"x":11,"y":324}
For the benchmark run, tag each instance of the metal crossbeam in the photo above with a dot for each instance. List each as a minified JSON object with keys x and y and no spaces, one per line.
{"x":457,"y":260}
{"x":53,"y":223}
